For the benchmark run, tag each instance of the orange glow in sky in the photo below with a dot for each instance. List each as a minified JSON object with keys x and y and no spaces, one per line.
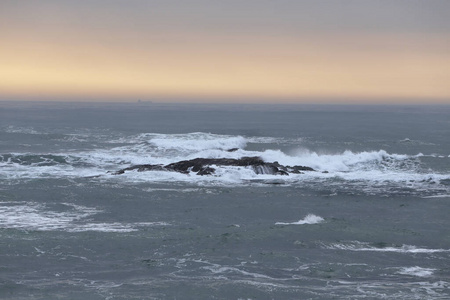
{"x":51,"y":58}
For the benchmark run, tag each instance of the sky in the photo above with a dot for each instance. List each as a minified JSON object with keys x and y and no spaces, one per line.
{"x":335,"y":51}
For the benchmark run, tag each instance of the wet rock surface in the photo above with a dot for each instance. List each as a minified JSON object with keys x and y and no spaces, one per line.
{"x":207,"y":166}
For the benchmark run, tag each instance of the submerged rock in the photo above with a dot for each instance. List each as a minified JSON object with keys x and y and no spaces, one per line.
{"x":205,"y":166}
{"x":141,"y":168}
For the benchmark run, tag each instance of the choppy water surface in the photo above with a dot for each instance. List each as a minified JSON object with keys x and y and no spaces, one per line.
{"x":371,"y":222}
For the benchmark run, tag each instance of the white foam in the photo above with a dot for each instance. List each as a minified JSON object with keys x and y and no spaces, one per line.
{"x":417,"y":271}
{"x":198,"y":141}
{"x":361,"y":246}
{"x":274,"y":140}
{"x":25,"y":130}
{"x":17,"y":171}
{"x":309,"y":219}
{"x":225,"y":175}
{"x":218,"y":269}
{"x":369,"y":171}
{"x":363,"y":169}
{"x":32,"y":216}
{"x":437,"y":196}
{"x":166,"y":148}
{"x":188,"y":190}
{"x":36,"y":217}
{"x":114,"y":227}
{"x":339,"y":162}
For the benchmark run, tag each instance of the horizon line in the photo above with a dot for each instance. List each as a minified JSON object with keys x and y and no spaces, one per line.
{"x":244,"y":101}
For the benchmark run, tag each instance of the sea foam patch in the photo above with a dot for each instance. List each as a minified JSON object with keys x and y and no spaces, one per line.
{"x":33,"y":216}
{"x":417,"y":271}
{"x":363,"y":246}
{"x":36,"y":217}
{"x":23,"y":130}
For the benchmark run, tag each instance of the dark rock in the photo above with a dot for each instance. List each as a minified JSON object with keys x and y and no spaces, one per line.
{"x":298,"y":169}
{"x":197,"y":164}
{"x":203,"y":166}
{"x":141,"y":168}
{"x":206,"y":171}
{"x":232,"y":149}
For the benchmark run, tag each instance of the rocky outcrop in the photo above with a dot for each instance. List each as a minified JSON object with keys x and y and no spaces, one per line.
{"x":206,"y":166}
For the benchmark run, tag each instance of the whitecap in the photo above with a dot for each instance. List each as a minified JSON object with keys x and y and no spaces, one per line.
{"x":309,"y":219}
{"x":363,"y":246}
{"x":416,"y":271}
{"x":405,"y":140}
{"x":340,"y":162}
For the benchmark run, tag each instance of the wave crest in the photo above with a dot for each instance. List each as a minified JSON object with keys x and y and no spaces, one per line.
{"x":345,"y":161}
{"x":309,"y":219}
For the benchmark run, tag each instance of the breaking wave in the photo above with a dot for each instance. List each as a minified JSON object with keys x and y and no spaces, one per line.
{"x":364,"y":167}
{"x":309,"y":219}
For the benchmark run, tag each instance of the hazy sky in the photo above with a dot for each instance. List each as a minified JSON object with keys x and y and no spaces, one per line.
{"x":205,"y":50}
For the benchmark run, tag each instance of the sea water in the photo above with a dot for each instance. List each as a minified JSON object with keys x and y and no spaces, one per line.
{"x":371,"y":222}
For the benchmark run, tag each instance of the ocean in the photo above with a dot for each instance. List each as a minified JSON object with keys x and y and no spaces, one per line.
{"x":372,"y":221}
